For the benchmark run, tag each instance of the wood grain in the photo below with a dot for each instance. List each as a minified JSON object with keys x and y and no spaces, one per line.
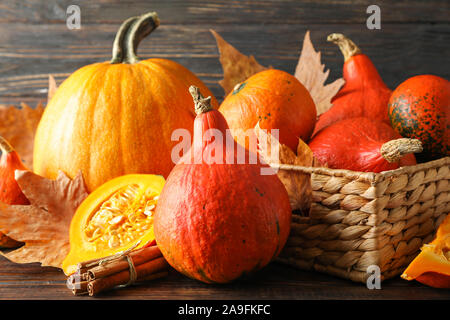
{"x":276,"y":282}
{"x":34,"y":42}
{"x":228,"y":12}
{"x":399,"y":51}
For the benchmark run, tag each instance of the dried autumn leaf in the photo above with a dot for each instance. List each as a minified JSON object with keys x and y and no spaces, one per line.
{"x":52,"y":87}
{"x":310,"y":72}
{"x":297,"y":183}
{"x":236,"y":66}
{"x":44,"y":224}
{"x":18,"y":126}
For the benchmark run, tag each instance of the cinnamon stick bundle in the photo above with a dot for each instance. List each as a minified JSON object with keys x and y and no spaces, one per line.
{"x":95,"y":276}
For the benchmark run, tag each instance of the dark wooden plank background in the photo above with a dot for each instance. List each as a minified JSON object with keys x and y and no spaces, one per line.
{"x":34,"y":42}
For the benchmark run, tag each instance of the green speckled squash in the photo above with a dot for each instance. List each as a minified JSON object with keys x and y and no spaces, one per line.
{"x":419,"y":108}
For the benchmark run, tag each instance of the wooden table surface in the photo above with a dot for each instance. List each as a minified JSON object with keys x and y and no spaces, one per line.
{"x":34,"y":42}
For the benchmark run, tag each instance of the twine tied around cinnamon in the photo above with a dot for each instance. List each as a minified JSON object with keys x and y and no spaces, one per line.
{"x":119,"y":255}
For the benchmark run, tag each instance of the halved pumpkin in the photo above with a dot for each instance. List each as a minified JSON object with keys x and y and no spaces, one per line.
{"x":432,"y":265}
{"x":113,"y":218}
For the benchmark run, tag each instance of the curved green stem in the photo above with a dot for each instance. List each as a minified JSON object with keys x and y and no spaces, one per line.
{"x":130,"y":34}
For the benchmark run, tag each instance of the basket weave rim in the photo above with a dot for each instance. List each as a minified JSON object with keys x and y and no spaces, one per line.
{"x":371,"y":177}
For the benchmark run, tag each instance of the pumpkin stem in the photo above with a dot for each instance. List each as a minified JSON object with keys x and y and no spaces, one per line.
{"x":5,"y":146}
{"x":394,"y":150}
{"x":130,"y":34}
{"x":202,"y":104}
{"x":347,"y":46}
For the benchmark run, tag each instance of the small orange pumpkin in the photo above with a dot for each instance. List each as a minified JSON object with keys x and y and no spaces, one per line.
{"x":114,"y":118}
{"x":114,"y":217}
{"x":275,"y":99}
{"x":432,"y":265}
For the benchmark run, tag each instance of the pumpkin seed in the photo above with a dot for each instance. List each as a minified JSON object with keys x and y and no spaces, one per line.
{"x":122,"y":218}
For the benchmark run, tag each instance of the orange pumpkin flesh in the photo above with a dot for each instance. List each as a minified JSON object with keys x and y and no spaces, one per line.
{"x":114,"y":118}
{"x":10,"y":192}
{"x":432,"y":265}
{"x":113,"y":218}
{"x":275,"y":99}
{"x":217,"y":221}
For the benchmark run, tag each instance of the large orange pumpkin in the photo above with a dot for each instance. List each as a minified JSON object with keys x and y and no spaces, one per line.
{"x":114,"y":118}
{"x":275,"y":99}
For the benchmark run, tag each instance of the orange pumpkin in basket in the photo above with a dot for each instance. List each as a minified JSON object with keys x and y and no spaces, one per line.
{"x":114,"y":118}
{"x":364,"y":93}
{"x":275,"y":99}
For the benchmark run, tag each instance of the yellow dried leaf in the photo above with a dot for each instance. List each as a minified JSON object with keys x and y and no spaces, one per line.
{"x":18,"y":126}
{"x":297,"y":183}
{"x":236,"y":66}
{"x":51,"y":87}
{"x":44,"y":224}
{"x":310,"y":72}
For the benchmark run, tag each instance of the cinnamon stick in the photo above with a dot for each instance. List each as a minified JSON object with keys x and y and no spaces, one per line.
{"x":80,"y":288}
{"x":143,"y":271}
{"x":97,"y":275}
{"x":85,"y":265}
{"x":138,"y":257}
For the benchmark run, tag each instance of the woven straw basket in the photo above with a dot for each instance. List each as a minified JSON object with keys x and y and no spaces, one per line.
{"x":361,"y":219}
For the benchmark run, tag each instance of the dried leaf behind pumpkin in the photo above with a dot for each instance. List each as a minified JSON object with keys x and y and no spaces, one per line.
{"x":18,"y":126}
{"x":310,"y":72}
{"x":52,"y":87}
{"x":44,"y":224}
{"x":236,"y":66}
{"x":297,"y":183}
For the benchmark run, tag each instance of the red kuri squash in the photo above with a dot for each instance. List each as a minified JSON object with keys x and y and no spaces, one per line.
{"x":362,"y":144}
{"x":217,"y":220}
{"x":10,"y":192}
{"x":364,"y":93}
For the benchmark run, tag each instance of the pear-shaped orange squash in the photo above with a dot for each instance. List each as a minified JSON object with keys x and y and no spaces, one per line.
{"x":364,"y":93}
{"x":114,"y":118}
{"x":218,"y":219}
{"x":10,"y":192}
